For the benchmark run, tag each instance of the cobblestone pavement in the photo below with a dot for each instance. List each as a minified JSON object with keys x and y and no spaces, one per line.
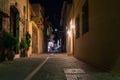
{"x":18,"y":69}
{"x":51,"y":67}
{"x":63,"y":67}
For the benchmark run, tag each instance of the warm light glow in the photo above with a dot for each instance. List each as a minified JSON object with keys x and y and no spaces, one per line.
{"x":69,"y":33}
{"x":71,"y":24}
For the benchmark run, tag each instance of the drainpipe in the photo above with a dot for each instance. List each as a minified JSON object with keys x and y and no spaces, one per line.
{"x":2,"y":5}
{"x":24,"y":21}
{"x":27,"y":15}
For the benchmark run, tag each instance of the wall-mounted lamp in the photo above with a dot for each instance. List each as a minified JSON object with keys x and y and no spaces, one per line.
{"x":71,"y":24}
{"x":69,"y":33}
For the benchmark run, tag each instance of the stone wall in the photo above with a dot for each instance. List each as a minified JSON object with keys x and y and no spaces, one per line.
{"x":100,"y":45}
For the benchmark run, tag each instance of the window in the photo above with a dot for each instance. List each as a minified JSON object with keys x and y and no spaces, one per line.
{"x":77,"y":24}
{"x":85,"y":25}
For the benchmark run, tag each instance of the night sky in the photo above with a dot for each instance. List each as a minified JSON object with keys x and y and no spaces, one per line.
{"x":52,"y":9}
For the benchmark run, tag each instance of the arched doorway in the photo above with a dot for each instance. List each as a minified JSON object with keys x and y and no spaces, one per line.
{"x":14,"y":24}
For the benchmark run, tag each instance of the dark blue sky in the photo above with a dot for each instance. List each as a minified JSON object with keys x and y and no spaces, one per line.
{"x":52,"y":9}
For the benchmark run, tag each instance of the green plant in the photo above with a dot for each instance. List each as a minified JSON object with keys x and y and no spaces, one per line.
{"x":10,"y":55}
{"x":23,"y":47}
{"x":25,"y":44}
{"x":28,"y":40}
{"x":8,"y":43}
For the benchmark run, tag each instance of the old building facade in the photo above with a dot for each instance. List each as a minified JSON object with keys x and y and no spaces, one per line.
{"x":37,"y":32}
{"x":16,"y":17}
{"x":92,"y":29}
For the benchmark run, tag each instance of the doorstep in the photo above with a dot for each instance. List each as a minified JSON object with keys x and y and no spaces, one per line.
{"x":17,"y":56}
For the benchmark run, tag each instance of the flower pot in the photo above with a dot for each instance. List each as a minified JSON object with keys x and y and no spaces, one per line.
{"x":10,"y":55}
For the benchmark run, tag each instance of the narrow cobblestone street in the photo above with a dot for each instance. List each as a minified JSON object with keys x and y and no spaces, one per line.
{"x":52,"y":67}
{"x":59,"y":40}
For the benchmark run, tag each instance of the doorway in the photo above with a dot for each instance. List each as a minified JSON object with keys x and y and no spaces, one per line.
{"x":14,"y":25}
{"x":34,"y":41}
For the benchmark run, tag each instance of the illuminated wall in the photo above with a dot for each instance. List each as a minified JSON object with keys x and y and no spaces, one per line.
{"x":98,"y":46}
{"x":25,"y":24}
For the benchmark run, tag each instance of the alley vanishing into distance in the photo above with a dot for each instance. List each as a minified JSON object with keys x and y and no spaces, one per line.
{"x":59,"y":39}
{"x":52,"y":67}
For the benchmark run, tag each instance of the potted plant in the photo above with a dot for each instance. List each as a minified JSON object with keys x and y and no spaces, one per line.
{"x":10,"y":55}
{"x":2,"y":54}
{"x":25,"y":44}
{"x":23,"y":47}
{"x":8,"y":44}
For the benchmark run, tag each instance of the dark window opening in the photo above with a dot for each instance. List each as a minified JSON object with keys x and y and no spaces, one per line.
{"x":77,"y":24}
{"x":85,"y":25}
{"x":14,"y":21}
{"x":14,"y":25}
